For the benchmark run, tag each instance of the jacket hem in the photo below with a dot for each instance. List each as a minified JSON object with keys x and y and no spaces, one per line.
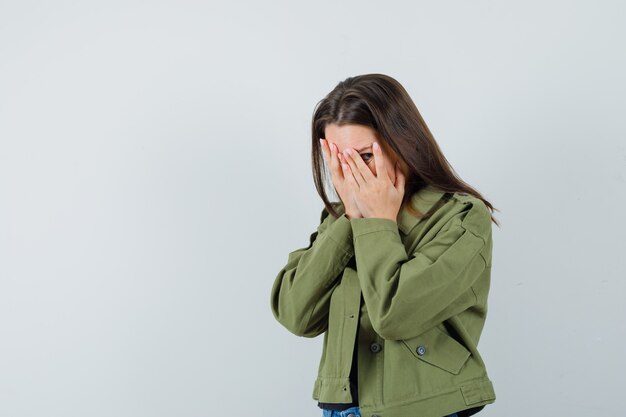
{"x":332,"y":390}
{"x":471,"y":394}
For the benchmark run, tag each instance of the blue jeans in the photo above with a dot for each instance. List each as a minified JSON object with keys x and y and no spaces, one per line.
{"x":354,"y":412}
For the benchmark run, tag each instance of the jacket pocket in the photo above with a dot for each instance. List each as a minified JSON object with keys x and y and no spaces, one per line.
{"x":438,"y":348}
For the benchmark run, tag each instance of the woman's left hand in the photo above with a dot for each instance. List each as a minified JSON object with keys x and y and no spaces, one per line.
{"x":375,"y":195}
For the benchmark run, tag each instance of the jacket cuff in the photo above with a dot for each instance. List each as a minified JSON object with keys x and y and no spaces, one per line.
{"x":365,"y":225}
{"x":340,"y":232}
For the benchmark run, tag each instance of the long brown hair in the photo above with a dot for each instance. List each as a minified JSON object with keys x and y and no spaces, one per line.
{"x":381,"y":103}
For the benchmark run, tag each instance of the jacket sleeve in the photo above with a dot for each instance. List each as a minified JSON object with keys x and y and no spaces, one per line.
{"x":407,"y":294}
{"x":300,"y":296}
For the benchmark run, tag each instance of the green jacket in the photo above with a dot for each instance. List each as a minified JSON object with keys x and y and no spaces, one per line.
{"x":418,"y":296}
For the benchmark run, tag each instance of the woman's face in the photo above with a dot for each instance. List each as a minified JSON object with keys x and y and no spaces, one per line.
{"x":361,"y":139}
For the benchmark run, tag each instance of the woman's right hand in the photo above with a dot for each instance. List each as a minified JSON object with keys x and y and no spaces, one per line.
{"x":341,"y":185}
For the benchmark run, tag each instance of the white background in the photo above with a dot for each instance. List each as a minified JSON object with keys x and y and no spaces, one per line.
{"x":155,"y":172}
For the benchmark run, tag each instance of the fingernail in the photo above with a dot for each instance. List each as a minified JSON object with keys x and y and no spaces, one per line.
{"x":376,"y":145}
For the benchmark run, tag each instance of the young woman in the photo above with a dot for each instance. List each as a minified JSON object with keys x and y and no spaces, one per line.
{"x":397,"y":273}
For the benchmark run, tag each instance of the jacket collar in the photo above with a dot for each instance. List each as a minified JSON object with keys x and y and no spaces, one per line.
{"x":424,"y":199}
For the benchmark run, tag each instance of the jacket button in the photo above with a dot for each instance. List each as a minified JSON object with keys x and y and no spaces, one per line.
{"x":375,"y":347}
{"x":420,"y":350}
{"x":351,"y":415}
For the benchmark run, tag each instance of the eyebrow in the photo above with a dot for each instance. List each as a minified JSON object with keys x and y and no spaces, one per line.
{"x":364,"y":148}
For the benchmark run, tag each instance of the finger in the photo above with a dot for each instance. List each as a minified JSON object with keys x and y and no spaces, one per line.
{"x":335,"y":165}
{"x":381,"y":168}
{"x":366,"y":173}
{"x":348,"y":174}
{"x":356,"y":172}
{"x":325,"y":151}
{"x":330,"y":155}
{"x":400,"y":178}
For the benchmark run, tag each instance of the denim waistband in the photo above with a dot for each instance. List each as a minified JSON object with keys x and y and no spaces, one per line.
{"x":348,"y":412}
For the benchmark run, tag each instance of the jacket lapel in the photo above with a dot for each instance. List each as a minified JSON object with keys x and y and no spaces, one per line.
{"x":423,"y":200}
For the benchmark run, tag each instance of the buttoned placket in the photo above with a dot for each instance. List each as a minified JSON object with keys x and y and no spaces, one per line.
{"x":352,"y":307}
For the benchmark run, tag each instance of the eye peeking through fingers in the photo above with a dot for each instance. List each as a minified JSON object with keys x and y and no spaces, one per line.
{"x":370,"y":157}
